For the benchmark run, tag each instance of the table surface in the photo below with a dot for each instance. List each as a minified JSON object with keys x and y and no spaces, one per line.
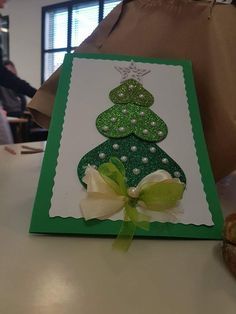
{"x":73,"y":275}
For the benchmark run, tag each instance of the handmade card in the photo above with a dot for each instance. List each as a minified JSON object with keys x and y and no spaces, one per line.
{"x":126,"y":153}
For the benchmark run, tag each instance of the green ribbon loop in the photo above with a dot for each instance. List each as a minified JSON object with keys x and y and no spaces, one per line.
{"x":113,"y":173}
{"x":160,"y":196}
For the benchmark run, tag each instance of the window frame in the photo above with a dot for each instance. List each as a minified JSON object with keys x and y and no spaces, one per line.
{"x":69,"y":5}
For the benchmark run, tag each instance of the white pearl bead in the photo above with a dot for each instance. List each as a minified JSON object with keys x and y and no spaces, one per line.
{"x":177,"y":174}
{"x":136,"y":171}
{"x":153,"y":149}
{"x":121,"y":95}
{"x":121,"y":129}
{"x":145,"y":160}
{"x":133,"y":148}
{"x":145,"y":131}
{"x":132,"y":192}
{"x":153,"y":123}
{"x":160,"y":133}
{"x":142,"y":113}
{"x":165,"y":160}
{"x":141,"y":96}
{"x":123,"y":158}
{"x":113,"y":119}
{"x":105,"y":128}
{"x":124,"y":111}
{"x":115,"y":146}
{"x":102,"y":155}
{"x":133,"y":121}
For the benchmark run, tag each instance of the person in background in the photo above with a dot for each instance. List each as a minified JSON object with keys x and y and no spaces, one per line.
{"x":10,"y":80}
{"x":13,"y":103}
{"x":5,"y":131}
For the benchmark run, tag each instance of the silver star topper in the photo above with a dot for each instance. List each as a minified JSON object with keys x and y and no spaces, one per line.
{"x":132,"y":72}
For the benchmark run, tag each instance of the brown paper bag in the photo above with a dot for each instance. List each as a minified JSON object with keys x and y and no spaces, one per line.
{"x":175,"y":29}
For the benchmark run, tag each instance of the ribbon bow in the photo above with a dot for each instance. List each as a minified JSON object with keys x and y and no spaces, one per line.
{"x":108,"y":193}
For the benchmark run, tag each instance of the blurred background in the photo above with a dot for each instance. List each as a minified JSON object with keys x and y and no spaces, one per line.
{"x":35,"y":35}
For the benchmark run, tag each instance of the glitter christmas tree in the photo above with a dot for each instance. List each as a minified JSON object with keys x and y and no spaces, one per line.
{"x":133,"y":131}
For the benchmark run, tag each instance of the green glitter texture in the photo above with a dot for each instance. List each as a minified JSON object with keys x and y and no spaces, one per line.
{"x":133,"y":130}
{"x":154,"y":160}
{"x":131,"y":91}
{"x":122,"y":120}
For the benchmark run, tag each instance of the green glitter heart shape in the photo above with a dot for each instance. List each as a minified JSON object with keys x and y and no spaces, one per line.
{"x":131,"y":91}
{"x":139,"y":157}
{"x":122,"y":120}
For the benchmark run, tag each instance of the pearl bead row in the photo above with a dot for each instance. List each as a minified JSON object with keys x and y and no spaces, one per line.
{"x":121,"y":95}
{"x":122,"y":129}
{"x":137,"y":171}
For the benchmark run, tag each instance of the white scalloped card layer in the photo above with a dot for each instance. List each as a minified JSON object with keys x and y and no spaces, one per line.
{"x":91,"y":82}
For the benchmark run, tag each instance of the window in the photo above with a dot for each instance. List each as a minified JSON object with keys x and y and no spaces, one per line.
{"x":66,"y":25}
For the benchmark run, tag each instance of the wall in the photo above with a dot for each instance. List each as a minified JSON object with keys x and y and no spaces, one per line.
{"x":25,"y":36}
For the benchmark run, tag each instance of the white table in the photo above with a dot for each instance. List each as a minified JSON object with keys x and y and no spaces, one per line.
{"x":75,"y":275}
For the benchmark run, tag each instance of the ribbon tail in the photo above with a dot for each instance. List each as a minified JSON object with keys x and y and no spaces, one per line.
{"x":125,"y":236}
{"x":140,"y":220}
{"x":133,"y":219}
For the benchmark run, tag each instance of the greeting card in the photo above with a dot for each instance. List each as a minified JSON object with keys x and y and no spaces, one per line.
{"x":126,"y":154}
